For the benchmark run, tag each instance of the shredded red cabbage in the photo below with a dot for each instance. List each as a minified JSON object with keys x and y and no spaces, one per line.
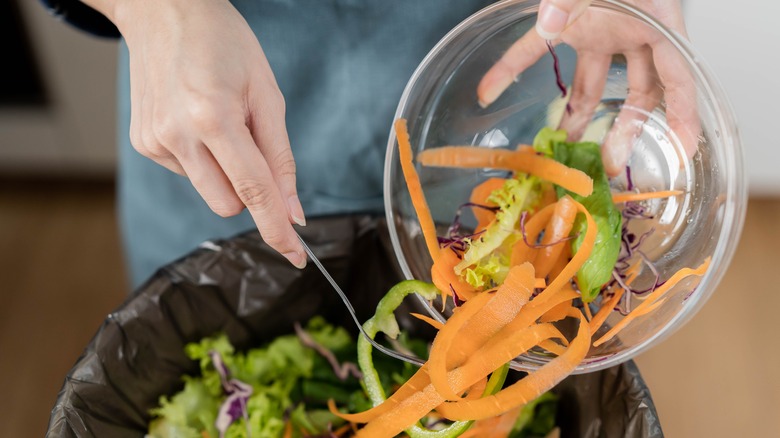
{"x":456,"y":241}
{"x":455,"y":298}
{"x":342,"y":371}
{"x":558,"y":76}
{"x":234,"y":406}
{"x":629,"y":247}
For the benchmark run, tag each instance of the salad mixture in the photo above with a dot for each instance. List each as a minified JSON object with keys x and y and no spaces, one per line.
{"x":552,"y":243}
{"x":282,"y":389}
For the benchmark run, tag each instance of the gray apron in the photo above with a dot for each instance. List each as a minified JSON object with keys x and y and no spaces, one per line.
{"x":341,"y":65}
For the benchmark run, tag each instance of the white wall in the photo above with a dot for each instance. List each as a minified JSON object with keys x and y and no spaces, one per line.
{"x":740,"y":41}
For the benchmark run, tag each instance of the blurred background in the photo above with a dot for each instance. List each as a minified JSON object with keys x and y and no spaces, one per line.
{"x":62,"y":269}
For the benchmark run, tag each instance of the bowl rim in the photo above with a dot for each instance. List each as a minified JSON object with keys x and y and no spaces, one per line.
{"x":735,"y":190}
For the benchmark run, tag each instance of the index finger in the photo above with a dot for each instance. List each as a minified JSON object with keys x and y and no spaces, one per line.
{"x":520,"y":55}
{"x":234,"y":149}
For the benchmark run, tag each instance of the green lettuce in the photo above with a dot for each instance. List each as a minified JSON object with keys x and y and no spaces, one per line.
{"x":586,"y":156}
{"x":282,"y":374}
{"x":483,"y":258}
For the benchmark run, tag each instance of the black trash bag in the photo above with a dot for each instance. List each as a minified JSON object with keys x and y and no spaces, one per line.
{"x":243,"y":288}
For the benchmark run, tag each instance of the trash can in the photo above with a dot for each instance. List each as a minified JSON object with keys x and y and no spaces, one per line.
{"x":243,"y":288}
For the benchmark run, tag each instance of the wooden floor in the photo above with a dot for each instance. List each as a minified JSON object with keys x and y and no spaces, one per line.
{"x":61,"y":273}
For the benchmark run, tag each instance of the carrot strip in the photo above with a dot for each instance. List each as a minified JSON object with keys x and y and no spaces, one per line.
{"x":522,"y":252}
{"x":288,"y":430}
{"x":553,"y":347}
{"x":621,"y":197}
{"x":510,"y":297}
{"x":488,"y":358}
{"x":425,"y":318}
{"x":443,"y":276}
{"x":652,"y":307}
{"x":548,"y":195}
{"x":586,"y":311}
{"x":342,"y":430}
{"x":476,"y":390}
{"x":437,"y":358}
{"x":655,"y":295}
{"x":415,"y":384}
{"x":560,"y":264}
{"x":527,"y":388}
{"x":588,"y":241}
{"x":557,"y":313}
{"x":540,"y":283}
{"x":496,"y":427}
{"x":605,"y":310}
{"x":415,"y":188}
{"x":478,"y":157}
{"x":479,"y":195}
{"x":555,"y":234}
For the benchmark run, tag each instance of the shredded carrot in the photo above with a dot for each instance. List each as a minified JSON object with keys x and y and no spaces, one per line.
{"x":528,"y":388}
{"x":651,"y":298}
{"x":504,"y":305}
{"x":476,"y":390}
{"x":548,"y":194}
{"x":652,"y":307}
{"x":586,"y":311}
{"x":552,"y":347}
{"x":424,"y":318}
{"x":555,"y":234}
{"x":557,"y":313}
{"x":443,"y":276}
{"x":492,"y":355}
{"x":495,"y":427}
{"x":493,"y":327}
{"x":545,"y":168}
{"x":288,"y":430}
{"x":415,"y":188}
{"x":521,"y":251}
{"x":576,"y":262}
{"x":479,"y":195}
{"x":621,"y":197}
{"x":606,"y":308}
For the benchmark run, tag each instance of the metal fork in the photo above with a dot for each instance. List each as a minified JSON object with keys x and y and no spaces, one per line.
{"x":392,"y":353}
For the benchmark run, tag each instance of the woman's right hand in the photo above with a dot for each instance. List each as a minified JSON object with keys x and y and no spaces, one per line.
{"x":205,"y":104}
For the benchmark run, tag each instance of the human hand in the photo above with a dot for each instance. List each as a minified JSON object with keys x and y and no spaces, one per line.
{"x":205,"y":104}
{"x":597,"y":36}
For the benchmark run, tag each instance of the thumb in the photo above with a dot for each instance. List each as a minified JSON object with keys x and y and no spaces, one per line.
{"x":555,"y":15}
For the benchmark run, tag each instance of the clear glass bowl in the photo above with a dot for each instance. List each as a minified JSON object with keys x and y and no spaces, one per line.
{"x":440,"y":105}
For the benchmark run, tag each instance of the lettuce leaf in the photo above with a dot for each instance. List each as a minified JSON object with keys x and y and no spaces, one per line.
{"x":277,"y":373}
{"x":597,"y":270}
{"x":517,"y":195}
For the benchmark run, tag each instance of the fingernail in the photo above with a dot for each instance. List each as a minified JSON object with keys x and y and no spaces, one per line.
{"x":551,"y":22}
{"x":296,"y":210}
{"x":298,"y":260}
